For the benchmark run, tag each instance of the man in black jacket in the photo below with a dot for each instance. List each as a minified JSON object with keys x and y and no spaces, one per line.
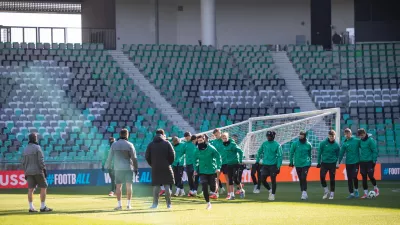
{"x":160,"y":155}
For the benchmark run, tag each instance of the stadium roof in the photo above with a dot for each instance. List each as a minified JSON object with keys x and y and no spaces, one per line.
{"x":43,"y":6}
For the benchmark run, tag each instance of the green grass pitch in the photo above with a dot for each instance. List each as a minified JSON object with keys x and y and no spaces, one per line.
{"x":91,"y":205}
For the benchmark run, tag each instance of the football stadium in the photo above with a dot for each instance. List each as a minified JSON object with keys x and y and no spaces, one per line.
{"x":199,"y":112}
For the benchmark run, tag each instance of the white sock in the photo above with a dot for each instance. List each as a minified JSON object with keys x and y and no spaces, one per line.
{"x":119,"y":204}
{"x":326,"y":189}
{"x":352,"y":194}
{"x":270,"y":190}
{"x":273,"y":195}
{"x":232,"y":193}
{"x":195,"y":192}
{"x":42,"y":205}
{"x":162,"y":188}
{"x":355,"y":190}
{"x":304,"y":192}
{"x":31,"y":205}
{"x":376,"y":187}
{"x":128,"y":202}
{"x":332,"y":193}
{"x":366,"y":192}
{"x":208,"y":203}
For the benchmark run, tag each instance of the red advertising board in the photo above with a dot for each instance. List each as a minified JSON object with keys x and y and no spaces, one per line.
{"x":288,"y":174}
{"x":13,"y":179}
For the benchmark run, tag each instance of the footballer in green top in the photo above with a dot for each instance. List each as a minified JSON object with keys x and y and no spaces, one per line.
{"x":368,"y":157}
{"x":271,"y":154}
{"x":351,"y":147}
{"x":300,"y":152}
{"x":208,"y":162}
{"x":328,"y":153}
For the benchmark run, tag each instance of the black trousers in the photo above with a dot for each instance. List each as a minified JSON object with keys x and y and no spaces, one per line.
{"x":208,"y":180}
{"x":325,"y":168}
{"x":196,"y":182}
{"x":237,"y":177}
{"x":302,"y":173}
{"x":190,"y":175}
{"x":367,"y":170}
{"x":352,"y":172}
{"x":256,"y":169}
{"x":267,"y":171}
{"x":178,"y":174}
{"x":232,"y":170}
{"x":112,"y":177}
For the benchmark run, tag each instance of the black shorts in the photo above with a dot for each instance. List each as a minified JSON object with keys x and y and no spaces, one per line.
{"x":38,"y":180}
{"x":123,"y":176}
{"x":208,"y":179}
{"x":269,"y":170}
{"x":224,"y":169}
{"x":366,"y":167}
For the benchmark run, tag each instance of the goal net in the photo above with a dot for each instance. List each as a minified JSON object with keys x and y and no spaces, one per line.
{"x":252,"y":132}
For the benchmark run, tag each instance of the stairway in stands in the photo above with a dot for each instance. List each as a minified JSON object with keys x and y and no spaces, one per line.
{"x":130,"y":69}
{"x":293,"y":82}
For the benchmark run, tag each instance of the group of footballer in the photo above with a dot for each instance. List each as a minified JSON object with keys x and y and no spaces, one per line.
{"x":207,"y":160}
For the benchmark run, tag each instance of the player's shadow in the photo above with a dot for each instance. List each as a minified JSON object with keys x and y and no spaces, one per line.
{"x":25,"y":212}
{"x":156,"y":211}
{"x":132,"y":211}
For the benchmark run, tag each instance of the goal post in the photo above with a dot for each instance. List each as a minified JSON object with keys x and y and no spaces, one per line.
{"x":316,"y":123}
{"x":251,"y":133}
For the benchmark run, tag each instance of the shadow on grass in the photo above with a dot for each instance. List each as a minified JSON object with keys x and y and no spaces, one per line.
{"x":157,"y":211}
{"x":286,"y":193}
{"x":25,"y":212}
{"x":132,"y":211}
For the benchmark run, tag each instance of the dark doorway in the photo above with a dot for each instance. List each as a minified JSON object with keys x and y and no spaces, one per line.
{"x":321,"y":31}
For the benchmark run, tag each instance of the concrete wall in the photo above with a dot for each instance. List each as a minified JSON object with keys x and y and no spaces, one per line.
{"x":98,"y":14}
{"x":342,"y":15}
{"x":135,"y":22}
{"x":238,"y":21}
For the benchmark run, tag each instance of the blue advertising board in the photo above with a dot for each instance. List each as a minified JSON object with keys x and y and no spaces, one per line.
{"x":390,"y":171}
{"x":62,"y":178}
{"x":144,"y":177}
{"x":89,"y":177}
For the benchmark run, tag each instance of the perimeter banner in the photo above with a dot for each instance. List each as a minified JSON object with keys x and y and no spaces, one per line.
{"x":96,"y":177}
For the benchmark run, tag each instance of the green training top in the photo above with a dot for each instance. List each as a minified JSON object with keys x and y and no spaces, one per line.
{"x":350,"y":147}
{"x":368,"y":150}
{"x":207,"y":160}
{"x":179,"y":155}
{"x":190,"y":150}
{"x":234,"y":155}
{"x":271,"y":154}
{"x":301,"y":152}
{"x":217,"y":144}
{"x":105,"y":157}
{"x":329,"y":152}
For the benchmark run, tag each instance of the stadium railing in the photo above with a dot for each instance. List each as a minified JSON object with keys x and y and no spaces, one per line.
{"x":59,"y":35}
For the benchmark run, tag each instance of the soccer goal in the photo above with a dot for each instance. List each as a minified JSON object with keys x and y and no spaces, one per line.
{"x":252,"y":132}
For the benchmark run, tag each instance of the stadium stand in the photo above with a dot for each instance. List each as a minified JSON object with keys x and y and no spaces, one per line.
{"x":214,"y":87}
{"x":75,"y":97}
{"x":362,"y":79}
